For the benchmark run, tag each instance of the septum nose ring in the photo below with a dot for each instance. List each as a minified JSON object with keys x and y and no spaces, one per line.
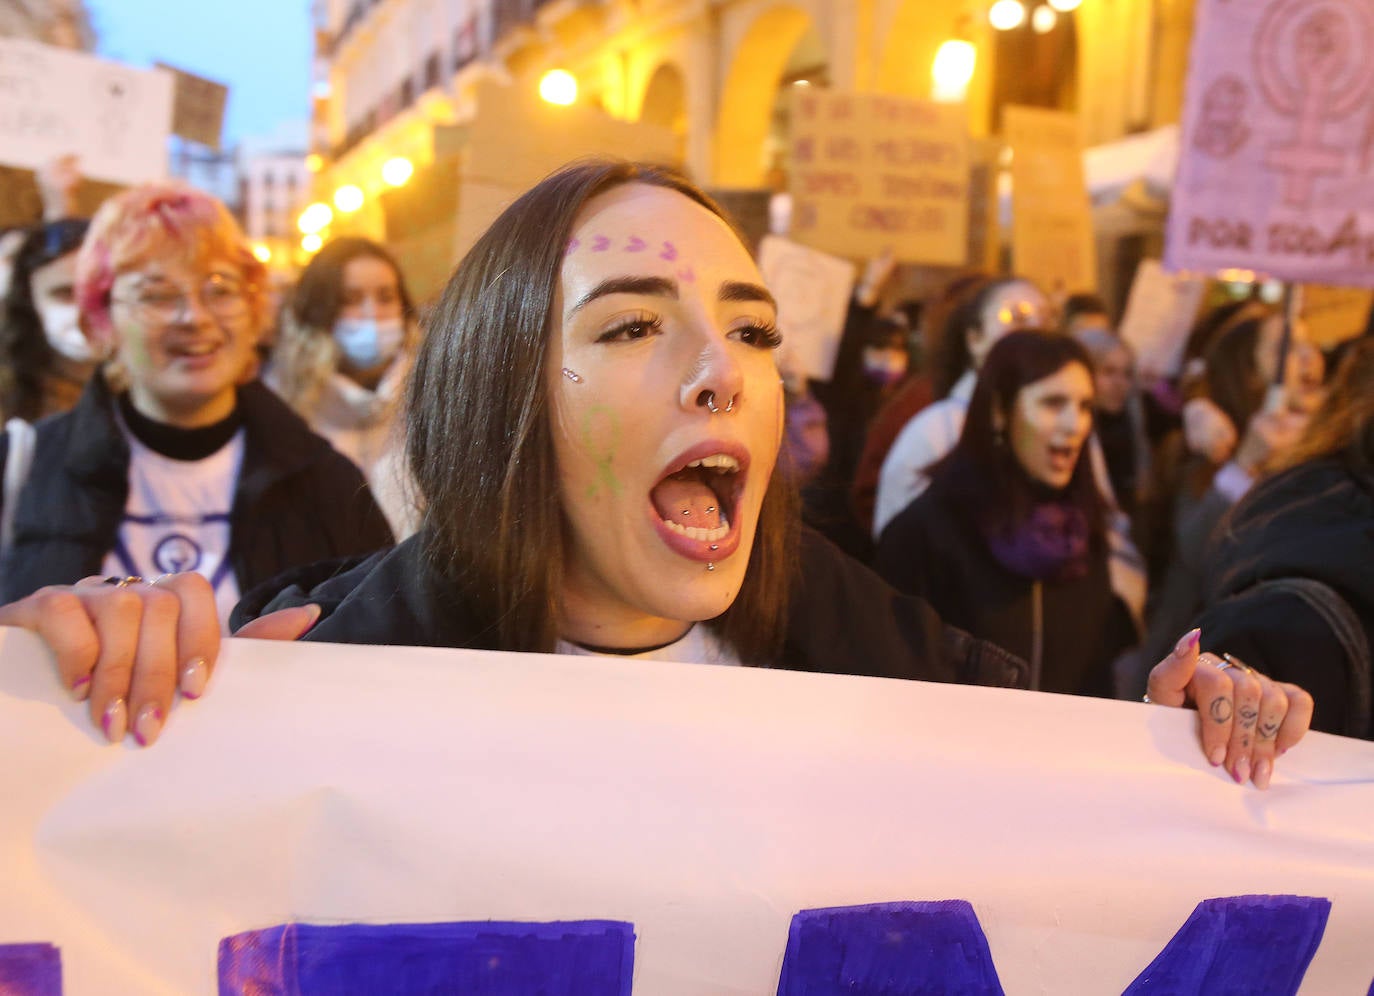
{"x":710,"y":397}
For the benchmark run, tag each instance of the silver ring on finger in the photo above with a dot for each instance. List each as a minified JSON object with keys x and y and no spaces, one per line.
{"x":1237,"y":662}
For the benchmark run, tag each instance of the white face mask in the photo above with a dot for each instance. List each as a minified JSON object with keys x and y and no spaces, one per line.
{"x":63,"y":332}
{"x":367,"y":342}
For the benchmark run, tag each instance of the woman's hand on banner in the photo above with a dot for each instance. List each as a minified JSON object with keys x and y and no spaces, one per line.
{"x":1247,"y":720}
{"x":127,"y":647}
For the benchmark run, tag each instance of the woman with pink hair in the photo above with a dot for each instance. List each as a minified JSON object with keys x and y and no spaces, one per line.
{"x":174,"y":462}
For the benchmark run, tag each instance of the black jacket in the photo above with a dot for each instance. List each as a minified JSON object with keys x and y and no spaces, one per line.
{"x":1290,"y":589}
{"x":297,"y":500}
{"x":934,"y":549}
{"x":842,"y":620}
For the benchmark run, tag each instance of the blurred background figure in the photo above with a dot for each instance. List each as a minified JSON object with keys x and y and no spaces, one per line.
{"x":1009,"y":541}
{"x":871,"y":359}
{"x":1241,"y":422}
{"x":168,"y":462}
{"x":1290,"y":573}
{"x":343,"y":350}
{"x":1119,"y":417}
{"x":985,"y":312}
{"x":1082,"y":312}
{"x":913,"y":393}
{"x":45,"y":360}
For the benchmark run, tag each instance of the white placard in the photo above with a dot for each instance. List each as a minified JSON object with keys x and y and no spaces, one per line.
{"x":705,"y":805}
{"x":56,"y":102}
{"x":1159,"y":316}
{"x":812,"y":289}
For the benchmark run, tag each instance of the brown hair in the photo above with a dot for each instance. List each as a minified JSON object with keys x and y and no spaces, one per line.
{"x":306,"y":355}
{"x":480,"y":440}
{"x":982,"y":466}
{"x":1344,"y":424}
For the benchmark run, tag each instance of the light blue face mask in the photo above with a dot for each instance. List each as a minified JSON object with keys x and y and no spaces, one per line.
{"x":368,"y":342}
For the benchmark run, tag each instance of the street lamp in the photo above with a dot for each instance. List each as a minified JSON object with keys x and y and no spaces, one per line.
{"x":558,"y":86}
{"x":1004,"y":15}
{"x":952,"y":71}
{"x":315,"y":218}
{"x":312,"y":242}
{"x":397,"y":171}
{"x":348,"y":198}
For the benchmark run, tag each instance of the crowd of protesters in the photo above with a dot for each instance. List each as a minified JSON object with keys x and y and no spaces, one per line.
{"x":1005,"y":475}
{"x":1025,"y":479}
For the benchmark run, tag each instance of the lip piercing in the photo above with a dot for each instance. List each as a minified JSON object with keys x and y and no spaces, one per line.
{"x":711,"y":404}
{"x":714,"y":546}
{"x":710,"y":567}
{"x":572,"y":375}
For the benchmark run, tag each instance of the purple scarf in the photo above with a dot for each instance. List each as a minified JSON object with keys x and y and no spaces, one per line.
{"x":1051,"y":544}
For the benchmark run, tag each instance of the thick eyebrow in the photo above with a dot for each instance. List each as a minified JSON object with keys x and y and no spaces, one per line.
{"x":651,"y":286}
{"x":734,"y":290}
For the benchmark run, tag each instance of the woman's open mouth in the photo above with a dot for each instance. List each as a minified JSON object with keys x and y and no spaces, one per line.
{"x":694,"y":504}
{"x":1063,"y":458}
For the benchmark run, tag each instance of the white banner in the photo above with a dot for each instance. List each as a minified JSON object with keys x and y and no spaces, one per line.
{"x":56,"y":102}
{"x":689,"y":811}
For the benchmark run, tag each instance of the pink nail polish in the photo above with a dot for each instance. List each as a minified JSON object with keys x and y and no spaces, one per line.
{"x":1217,"y":756}
{"x":81,"y":688}
{"x":193,"y":678}
{"x":115,"y":721}
{"x":1187,"y":643}
{"x":148,"y":724}
{"x":1242,"y":770}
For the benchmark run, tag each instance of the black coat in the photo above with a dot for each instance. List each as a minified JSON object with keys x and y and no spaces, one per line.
{"x":297,"y":500}
{"x":934,"y":549}
{"x":1290,"y":587}
{"x":842,"y":619}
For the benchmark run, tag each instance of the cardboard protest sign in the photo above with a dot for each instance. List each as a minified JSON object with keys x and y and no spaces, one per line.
{"x":515,"y":140}
{"x":1277,"y":167}
{"x":812,"y":290}
{"x":56,"y":102}
{"x":724,"y":827}
{"x":1335,"y":314}
{"x":1051,"y":216}
{"x":872,"y":172}
{"x":1159,"y":316}
{"x":197,"y":106}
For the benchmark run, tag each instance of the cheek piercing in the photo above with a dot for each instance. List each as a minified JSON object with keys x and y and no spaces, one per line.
{"x":572,"y":375}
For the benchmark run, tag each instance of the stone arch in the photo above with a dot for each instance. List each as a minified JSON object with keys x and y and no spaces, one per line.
{"x":664,"y":103}
{"x":749,"y":93}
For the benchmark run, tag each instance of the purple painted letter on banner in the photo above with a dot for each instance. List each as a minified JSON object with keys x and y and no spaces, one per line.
{"x":888,"y":949}
{"x":30,"y":970}
{"x":576,"y":958}
{"x":1260,"y":945}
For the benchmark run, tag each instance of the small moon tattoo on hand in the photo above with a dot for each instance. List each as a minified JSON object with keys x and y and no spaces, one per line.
{"x":1220,"y":709}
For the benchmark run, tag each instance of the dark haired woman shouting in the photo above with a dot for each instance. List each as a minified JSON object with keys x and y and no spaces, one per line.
{"x":594,"y":422}
{"x":1009,"y":541}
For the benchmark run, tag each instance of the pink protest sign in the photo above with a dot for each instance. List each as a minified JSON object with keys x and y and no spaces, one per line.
{"x":1277,"y":166}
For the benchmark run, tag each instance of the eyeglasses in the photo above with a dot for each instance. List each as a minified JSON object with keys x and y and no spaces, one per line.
{"x":224,"y":297}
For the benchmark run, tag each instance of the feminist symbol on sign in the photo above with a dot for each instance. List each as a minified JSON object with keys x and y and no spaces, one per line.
{"x":1310,"y":64}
